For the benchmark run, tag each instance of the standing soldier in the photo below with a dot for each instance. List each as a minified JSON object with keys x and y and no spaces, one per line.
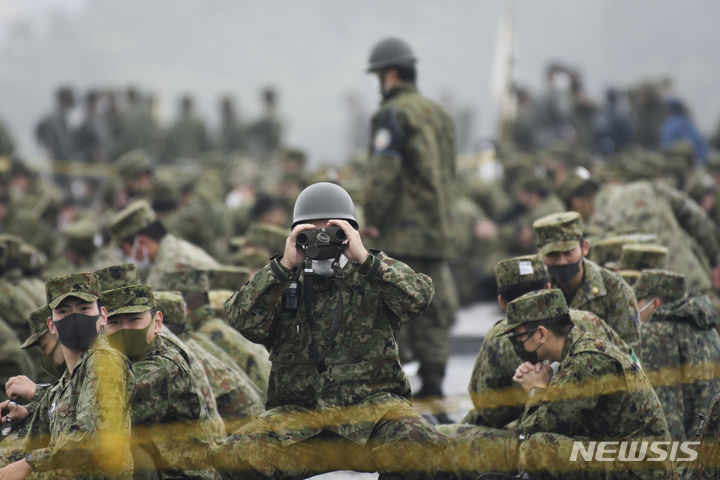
{"x":409,"y":194}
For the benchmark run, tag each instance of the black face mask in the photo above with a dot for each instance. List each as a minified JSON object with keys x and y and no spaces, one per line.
{"x":77,"y":331}
{"x":525,"y":356}
{"x":564,"y":273}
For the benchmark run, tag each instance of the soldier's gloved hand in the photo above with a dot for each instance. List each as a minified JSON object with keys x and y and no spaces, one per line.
{"x":294,"y":255}
{"x":355,"y":249}
{"x":20,"y":387}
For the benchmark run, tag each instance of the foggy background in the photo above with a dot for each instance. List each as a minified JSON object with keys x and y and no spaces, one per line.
{"x":315,"y":52}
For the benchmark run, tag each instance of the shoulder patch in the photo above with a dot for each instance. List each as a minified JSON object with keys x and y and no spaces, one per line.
{"x":389,"y":137}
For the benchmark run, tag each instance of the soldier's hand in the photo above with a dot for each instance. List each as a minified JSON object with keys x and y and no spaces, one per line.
{"x":9,"y":410}
{"x":20,"y":387}
{"x":530,"y":375}
{"x":294,"y":255}
{"x":485,"y":229}
{"x":15,"y":471}
{"x":355,"y":249}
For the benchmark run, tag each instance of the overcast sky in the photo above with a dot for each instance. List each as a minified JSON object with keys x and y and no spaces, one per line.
{"x":315,"y":52}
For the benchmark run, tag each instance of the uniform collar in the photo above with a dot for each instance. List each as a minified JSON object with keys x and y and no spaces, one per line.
{"x":570,"y":340}
{"x":402,"y":87}
{"x":592,"y":286}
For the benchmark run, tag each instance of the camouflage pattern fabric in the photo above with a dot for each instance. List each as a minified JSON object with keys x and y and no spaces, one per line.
{"x":411,"y":179}
{"x":38,"y":326}
{"x":85,"y":286}
{"x":535,"y":306}
{"x":360,"y":400}
{"x":496,"y":398}
{"x":642,"y":257}
{"x":472,"y":449}
{"x":598,"y":393}
{"x":558,"y":232}
{"x":128,"y":299}
{"x":13,"y":360}
{"x":116,"y":276}
{"x":669,"y":286}
{"x":707,"y":465}
{"x":681,"y":354}
{"x":170,"y":417}
{"x":606,"y":294}
{"x":175,"y":254}
{"x":82,"y":423}
{"x":131,"y":220}
{"x":679,"y":223}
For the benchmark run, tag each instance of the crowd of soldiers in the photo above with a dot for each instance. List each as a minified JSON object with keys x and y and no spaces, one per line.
{"x":159,"y":319}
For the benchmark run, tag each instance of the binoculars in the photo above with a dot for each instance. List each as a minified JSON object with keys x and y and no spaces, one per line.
{"x":321,"y":243}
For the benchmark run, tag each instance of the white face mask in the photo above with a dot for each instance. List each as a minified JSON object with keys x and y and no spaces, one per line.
{"x":142,"y":265}
{"x":324,"y":267}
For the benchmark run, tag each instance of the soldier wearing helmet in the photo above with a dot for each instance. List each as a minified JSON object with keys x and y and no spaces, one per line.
{"x":409,"y":194}
{"x":328,"y":311}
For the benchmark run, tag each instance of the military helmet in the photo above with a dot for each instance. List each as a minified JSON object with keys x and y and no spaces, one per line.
{"x":391,"y":52}
{"x":324,"y":200}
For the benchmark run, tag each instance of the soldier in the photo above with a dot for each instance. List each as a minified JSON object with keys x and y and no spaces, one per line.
{"x":227,"y":392}
{"x":214,"y":334}
{"x":53,"y":132}
{"x":232,"y":134}
{"x":497,"y":400}
{"x":169,"y":413}
{"x":681,"y":347}
{"x":188,"y":136}
{"x":409,"y":195}
{"x":338,"y":396}
{"x":586,"y":285}
{"x":93,"y":136}
{"x":598,"y":392}
{"x":81,"y":425}
{"x":265,"y":134}
{"x":146,"y":243}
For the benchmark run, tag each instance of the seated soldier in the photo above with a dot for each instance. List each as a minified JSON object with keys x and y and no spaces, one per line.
{"x":338,"y":397}
{"x":496,"y":398}
{"x":81,"y":426}
{"x":598,"y":393}
{"x":169,"y":414}
{"x":681,"y":347}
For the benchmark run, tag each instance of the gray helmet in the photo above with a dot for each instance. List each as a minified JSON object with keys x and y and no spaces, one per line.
{"x":324,"y":200}
{"x":391,"y":52}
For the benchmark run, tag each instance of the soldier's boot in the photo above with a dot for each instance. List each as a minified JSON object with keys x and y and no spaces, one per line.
{"x":430,"y":392}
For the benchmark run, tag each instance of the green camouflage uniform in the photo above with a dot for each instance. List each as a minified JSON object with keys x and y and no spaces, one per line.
{"x":681,"y":349}
{"x":597,"y":393}
{"x":601,"y":292}
{"x":346,"y":405}
{"x":81,"y":425}
{"x":707,"y":464}
{"x":410,"y":192}
{"x":679,"y":223}
{"x":213,"y":333}
{"x":187,"y":137}
{"x":170,"y":418}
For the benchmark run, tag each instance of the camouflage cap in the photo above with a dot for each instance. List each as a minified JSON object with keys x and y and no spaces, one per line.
{"x":31,"y":259}
{"x":187,"y":281}
{"x":38,"y":326}
{"x":535,"y":306}
{"x":577,"y":181}
{"x":519,"y":270}
{"x":609,"y":249}
{"x":558,"y":232}
{"x":630,"y":276}
{"x":266,"y":235}
{"x":669,"y":286}
{"x":172,"y":305}
{"x":80,"y":236}
{"x":116,"y":276}
{"x":227,"y":277}
{"x":85,"y":286}
{"x":131,"y":220}
{"x":636,"y":256}
{"x":217,"y":301}
{"x":133,"y":164}
{"x":129,"y":299}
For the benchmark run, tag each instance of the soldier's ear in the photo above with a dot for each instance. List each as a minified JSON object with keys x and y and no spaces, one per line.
{"x":585,"y":247}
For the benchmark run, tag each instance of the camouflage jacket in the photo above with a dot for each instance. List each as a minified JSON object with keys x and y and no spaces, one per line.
{"x":174,"y":252}
{"x":378,"y":296}
{"x":680,"y":224}
{"x":252,"y":358}
{"x":681,"y":353}
{"x":606,"y":294}
{"x":707,"y":464}
{"x":201,"y":380}
{"x":496,"y":398}
{"x":81,"y":426}
{"x":170,"y":417}
{"x":411,"y":179}
{"x":598,"y":393}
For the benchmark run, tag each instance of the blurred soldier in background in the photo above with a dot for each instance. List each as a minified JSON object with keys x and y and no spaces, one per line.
{"x":408,"y":198}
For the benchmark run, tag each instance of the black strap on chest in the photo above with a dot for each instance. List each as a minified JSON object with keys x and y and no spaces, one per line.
{"x":308,"y":275}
